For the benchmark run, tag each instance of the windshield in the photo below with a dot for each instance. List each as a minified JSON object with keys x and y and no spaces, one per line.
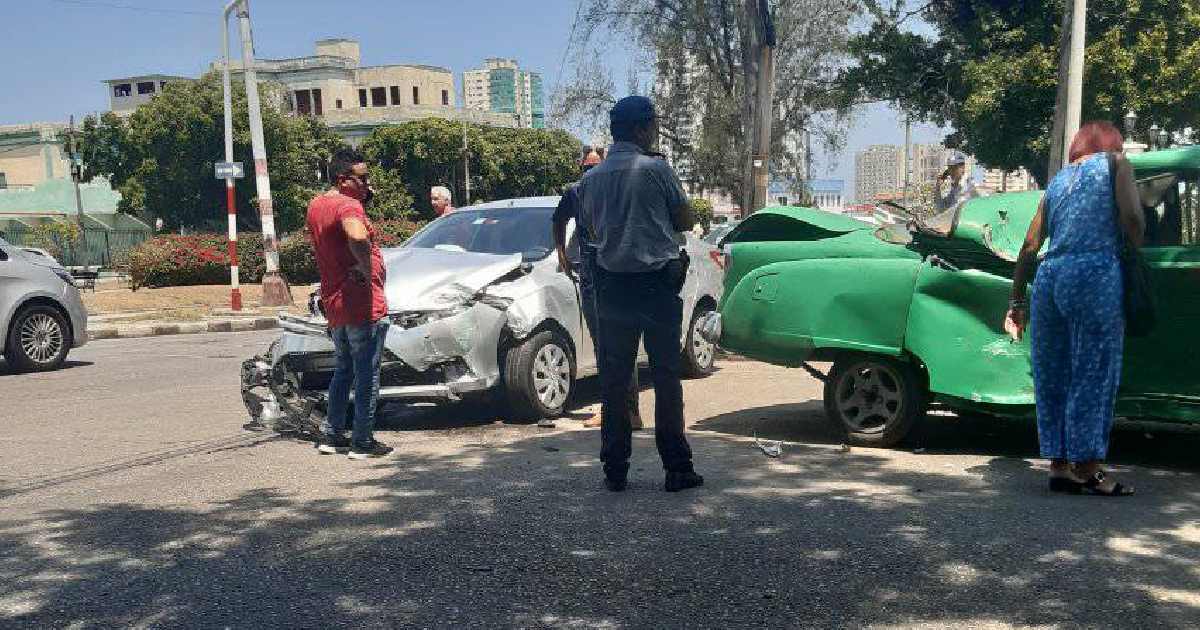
{"x":524,"y":231}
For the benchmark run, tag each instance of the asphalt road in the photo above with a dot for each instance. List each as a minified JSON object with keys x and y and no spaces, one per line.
{"x":131,"y":496}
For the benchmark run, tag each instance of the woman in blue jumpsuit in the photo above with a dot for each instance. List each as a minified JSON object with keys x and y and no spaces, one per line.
{"x":1077,"y":324}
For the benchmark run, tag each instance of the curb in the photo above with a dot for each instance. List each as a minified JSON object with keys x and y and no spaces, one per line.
{"x":184,"y":328}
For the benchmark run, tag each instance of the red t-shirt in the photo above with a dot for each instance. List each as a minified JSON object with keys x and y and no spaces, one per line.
{"x":344,"y":301}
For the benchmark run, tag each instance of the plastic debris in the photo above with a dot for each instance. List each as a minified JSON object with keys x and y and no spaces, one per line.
{"x":546,"y":423}
{"x":770,"y":448}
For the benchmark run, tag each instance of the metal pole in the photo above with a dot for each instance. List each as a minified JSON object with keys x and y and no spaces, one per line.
{"x":907,"y":159}
{"x":763,"y":38}
{"x":275,"y":289}
{"x":76,"y":174}
{"x":466,"y":155}
{"x":1075,"y":74}
{"x":235,"y":292}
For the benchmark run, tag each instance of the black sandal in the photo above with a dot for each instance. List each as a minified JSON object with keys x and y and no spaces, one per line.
{"x":1092,"y":485}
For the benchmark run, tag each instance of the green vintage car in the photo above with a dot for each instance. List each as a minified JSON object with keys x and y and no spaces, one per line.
{"x":912,"y":314}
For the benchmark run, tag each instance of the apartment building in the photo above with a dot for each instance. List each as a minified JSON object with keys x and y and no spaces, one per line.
{"x":878,"y":169}
{"x":125,"y":94}
{"x":502,"y":87}
{"x":997,"y":180}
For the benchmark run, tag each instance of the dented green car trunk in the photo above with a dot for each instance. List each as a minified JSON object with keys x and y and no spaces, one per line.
{"x":805,"y":285}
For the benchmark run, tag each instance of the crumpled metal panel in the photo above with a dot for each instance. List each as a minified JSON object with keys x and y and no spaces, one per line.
{"x":781,"y":312}
{"x":955,"y":329}
{"x":471,"y":335}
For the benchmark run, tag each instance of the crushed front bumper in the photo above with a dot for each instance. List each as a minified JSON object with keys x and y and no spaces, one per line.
{"x":442,"y":358}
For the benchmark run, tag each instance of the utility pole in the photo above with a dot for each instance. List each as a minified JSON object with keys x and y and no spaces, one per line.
{"x":907,"y":161}
{"x":1070,"y":85}
{"x":465,"y":151}
{"x":235,"y":291}
{"x":76,"y":175}
{"x":275,"y":289}
{"x":762,"y":41}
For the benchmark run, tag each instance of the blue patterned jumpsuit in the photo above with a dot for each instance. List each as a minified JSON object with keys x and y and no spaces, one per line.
{"x":1077,"y":325}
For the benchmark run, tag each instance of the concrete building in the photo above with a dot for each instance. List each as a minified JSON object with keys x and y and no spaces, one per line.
{"x":31,"y":154}
{"x":127,"y":93}
{"x":354,"y":99}
{"x":878,"y":169}
{"x":998,"y":180}
{"x":502,"y":87}
{"x":825,"y":194}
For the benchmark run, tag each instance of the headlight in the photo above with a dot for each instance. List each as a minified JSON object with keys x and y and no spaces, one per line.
{"x":63,"y":275}
{"x":420,"y":318}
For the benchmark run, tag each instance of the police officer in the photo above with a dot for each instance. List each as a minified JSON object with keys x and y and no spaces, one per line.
{"x":568,"y":208}
{"x":633,"y":207}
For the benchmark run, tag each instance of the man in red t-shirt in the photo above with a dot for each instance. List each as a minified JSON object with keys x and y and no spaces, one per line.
{"x":352,"y":297}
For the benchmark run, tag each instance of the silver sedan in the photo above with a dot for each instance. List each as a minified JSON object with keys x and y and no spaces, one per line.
{"x":41,"y":313}
{"x":478,"y":306}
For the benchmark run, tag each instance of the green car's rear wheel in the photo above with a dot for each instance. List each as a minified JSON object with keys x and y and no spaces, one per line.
{"x":875,"y":400}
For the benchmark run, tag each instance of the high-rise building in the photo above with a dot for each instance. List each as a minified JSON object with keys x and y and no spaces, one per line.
{"x":502,"y":87}
{"x":878,"y":169}
{"x":997,"y":180}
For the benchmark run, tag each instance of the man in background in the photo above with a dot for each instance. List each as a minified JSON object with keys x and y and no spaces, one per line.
{"x":633,"y":208}
{"x":568,"y":208}
{"x":962,"y":185}
{"x":439,"y":198}
{"x":352,"y":298}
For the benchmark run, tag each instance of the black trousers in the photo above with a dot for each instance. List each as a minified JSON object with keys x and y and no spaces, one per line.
{"x":632,"y":306}
{"x":587,"y":294}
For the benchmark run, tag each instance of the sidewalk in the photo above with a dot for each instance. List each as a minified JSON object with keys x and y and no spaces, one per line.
{"x":118,"y":312}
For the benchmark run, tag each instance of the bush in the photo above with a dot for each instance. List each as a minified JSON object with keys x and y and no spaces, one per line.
{"x":169,"y":261}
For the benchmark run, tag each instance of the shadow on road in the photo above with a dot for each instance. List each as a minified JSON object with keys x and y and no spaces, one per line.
{"x":6,"y":369}
{"x":520,"y":533}
{"x":1143,"y":443}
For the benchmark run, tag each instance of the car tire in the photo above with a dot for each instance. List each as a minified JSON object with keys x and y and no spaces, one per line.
{"x":39,"y":339}
{"x":699,"y":355}
{"x":539,"y":377}
{"x":876,"y":401}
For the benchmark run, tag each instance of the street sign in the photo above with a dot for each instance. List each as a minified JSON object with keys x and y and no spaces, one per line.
{"x":230,"y":170}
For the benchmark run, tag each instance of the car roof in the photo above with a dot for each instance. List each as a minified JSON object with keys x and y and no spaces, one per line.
{"x":519,"y":202}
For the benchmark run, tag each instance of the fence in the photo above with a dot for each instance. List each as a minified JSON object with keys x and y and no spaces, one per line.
{"x":103,"y":246}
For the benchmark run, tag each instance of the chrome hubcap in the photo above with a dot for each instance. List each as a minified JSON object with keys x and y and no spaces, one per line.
{"x":41,"y":338}
{"x":552,"y":376}
{"x":702,"y":351}
{"x":869,"y":397}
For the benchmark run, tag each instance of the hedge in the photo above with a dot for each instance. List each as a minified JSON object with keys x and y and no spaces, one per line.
{"x":173,"y":260}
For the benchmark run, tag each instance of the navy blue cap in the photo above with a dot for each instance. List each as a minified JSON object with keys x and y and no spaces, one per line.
{"x":633,"y":109}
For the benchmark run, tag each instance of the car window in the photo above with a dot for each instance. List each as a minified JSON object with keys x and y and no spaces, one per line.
{"x":1169,"y":206}
{"x":524,"y":231}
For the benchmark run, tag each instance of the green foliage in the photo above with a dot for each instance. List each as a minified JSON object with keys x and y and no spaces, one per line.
{"x":174,"y":260}
{"x":408,"y":159}
{"x":161,"y":157}
{"x":990,"y":70}
{"x":53,"y":236}
{"x":702,"y":212}
{"x":298,"y":263}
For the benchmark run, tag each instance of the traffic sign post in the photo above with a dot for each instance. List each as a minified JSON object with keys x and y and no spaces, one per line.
{"x":230,"y":171}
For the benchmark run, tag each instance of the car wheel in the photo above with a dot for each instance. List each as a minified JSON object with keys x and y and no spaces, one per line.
{"x":38,"y":340}
{"x":539,"y":376}
{"x":875,"y":400}
{"x":698,"y":353}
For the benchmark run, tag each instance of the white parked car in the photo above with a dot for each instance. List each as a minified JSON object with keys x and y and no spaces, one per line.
{"x":477,"y":306}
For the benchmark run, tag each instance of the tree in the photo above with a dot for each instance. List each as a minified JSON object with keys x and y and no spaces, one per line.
{"x":161,"y":157}
{"x":410,"y":158}
{"x":988,"y":69}
{"x":698,"y":50}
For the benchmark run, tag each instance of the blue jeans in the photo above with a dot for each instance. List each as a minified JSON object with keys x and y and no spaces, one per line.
{"x":357,"y":351}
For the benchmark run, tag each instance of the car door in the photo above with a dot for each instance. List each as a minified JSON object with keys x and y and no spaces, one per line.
{"x":1162,"y":366}
{"x":585,"y":359}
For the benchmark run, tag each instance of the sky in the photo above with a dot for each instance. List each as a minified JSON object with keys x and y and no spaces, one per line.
{"x":57,"y":52}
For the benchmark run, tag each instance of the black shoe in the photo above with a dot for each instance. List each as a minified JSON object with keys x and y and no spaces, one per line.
{"x":370,"y":451}
{"x":333,"y":444}
{"x":677,"y":481}
{"x":614,"y":485}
